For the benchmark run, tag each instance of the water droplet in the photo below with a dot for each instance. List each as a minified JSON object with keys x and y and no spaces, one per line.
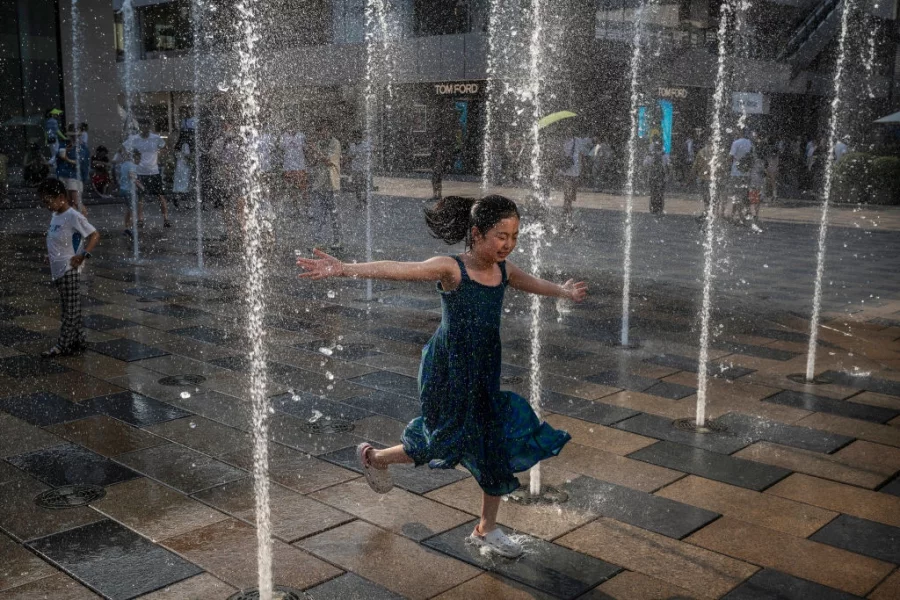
{"x":223,"y":87}
{"x":329,"y":375}
{"x":330,"y":387}
{"x":331,"y":294}
{"x":326,"y":351}
{"x":192,"y":425}
{"x":185,"y":395}
{"x":316,"y":415}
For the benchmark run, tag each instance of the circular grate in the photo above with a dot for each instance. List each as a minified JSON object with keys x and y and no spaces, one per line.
{"x":691,"y":426}
{"x":325,"y":426}
{"x":278,"y":593}
{"x":182,"y":380}
{"x":69,"y":496}
{"x":802,"y":380}
{"x":549,"y":495}
{"x":512,"y":379}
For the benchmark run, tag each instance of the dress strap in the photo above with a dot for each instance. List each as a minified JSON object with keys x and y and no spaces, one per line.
{"x":502,"y":265}
{"x":462,"y":267}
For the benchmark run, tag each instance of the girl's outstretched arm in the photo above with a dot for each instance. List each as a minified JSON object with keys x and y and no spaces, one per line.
{"x":521,"y":280}
{"x":439,"y":268}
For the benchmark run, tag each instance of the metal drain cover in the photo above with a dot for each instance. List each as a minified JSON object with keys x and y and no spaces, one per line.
{"x":278,"y":593}
{"x":549,"y":495}
{"x":691,"y":425}
{"x":69,"y":496}
{"x":325,"y":426}
{"x":511,"y":379}
{"x":182,"y":380}
{"x":802,"y":380}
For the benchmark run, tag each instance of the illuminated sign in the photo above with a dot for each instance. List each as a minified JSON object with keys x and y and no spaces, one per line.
{"x":672,"y":92}
{"x":443,"y":89}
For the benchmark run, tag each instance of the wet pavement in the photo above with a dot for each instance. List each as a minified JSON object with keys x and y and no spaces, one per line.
{"x":797,"y":498}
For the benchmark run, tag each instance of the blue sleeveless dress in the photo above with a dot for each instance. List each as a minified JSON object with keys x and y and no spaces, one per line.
{"x":466,"y":419}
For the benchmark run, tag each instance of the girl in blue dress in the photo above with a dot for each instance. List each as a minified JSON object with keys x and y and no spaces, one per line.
{"x":466,"y":419}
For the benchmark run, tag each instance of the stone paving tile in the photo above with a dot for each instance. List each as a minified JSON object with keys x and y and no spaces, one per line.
{"x":379,"y":429}
{"x":585,"y":410}
{"x":68,"y":464}
{"x":389,"y":560}
{"x":293,"y":515}
{"x":872,"y":384}
{"x":310,"y":408}
{"x":103,"y":322}
{"x":389,"y":382}
{"x":17,"y":437}
{"x":630,"y":585}
{"x":892,"y":487}
{"x":854,"y":428}
{"x":351,"y":587}
{"x":296,"y":433}
{"x":769,"y":583}
{"x":851,"y":500}
{"x":199,"y":587}
{"x":822,"y":404}
{"x":655,"y":405}
{"x":826,"y":466}
{"x":127,"y":350}
{"x":703,"y":573}
{"x":42,"y":408}
{"x":22,"y":365}
{"x":114,"y":560}
{"x":862,"y":537}
{"x":599,"y":437}
{"x":661,"y":428}
{"x":227,"y":550}
{"x":55,"y":586}
{"x":420,"y":480}
{"x":576,"y":387}
{"x":673,"y":391}
{"x":181,"y":468}
{"x":873,"y":399}
{"x":491,"y":585}
{"x":736,"y":471}
{"x":545,"y":566}
{"x":19,"y":566}
{"x":402,"y":408}
{"x":135,"y":409}
{"x":296,"y":470}
{"x":399,"y":511}
{"x":766,"y":510}
{"x":870,"y":457}
{"x":889,"y":589}
{"x":203,"y":435}
{"x":632,"y":383}
{"x":105,"y":436}
{"x":755,"y":428}
{"x":98,"y":365}
{"x":154,"y":510}
{"x":221,"y":408}
{"x":792,"y":555}
{"x":13,"y":335}
{"x":606,"y":466}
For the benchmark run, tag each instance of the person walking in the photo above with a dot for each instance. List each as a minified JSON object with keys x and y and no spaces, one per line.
{"x":573,"y":149}
{"x":149,"y":145}
{"x":466,"y":419}
{"x":66,"y":262}
{"x":741,"y":160}
{"x":325,"y":155}
{"x":360,"y":153}
{"x":657,"y":169}
{"x":129,"y":188}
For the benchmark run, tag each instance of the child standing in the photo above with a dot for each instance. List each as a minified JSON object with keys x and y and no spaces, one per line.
{"x":466,"y":419}
{"x":65,"y":264}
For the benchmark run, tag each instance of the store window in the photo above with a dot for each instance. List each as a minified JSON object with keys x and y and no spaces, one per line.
{"x":450,"y":17}
{"x":164,"y":27}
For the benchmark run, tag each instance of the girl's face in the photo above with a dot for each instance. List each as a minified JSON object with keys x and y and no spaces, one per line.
{"x":499,"y":241}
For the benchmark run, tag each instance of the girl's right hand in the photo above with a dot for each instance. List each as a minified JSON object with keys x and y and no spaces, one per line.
{"x":321,"y":268}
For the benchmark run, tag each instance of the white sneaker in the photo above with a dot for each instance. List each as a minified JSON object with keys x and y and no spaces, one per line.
{"x":378,"y":479}
{"x":498,"y":542}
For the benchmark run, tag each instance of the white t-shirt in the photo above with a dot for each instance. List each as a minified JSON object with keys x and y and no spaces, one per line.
{"x":59,"y":239}
{"x":739,"y":149}
{"x":358,"y":155}
{"x":294,"y":156}
{"x":149,"y":148}
{"x":840,"y":149}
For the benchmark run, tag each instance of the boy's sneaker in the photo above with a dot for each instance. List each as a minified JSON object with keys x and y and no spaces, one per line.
{"x":128,"y":233}
{"x":497,"y":542}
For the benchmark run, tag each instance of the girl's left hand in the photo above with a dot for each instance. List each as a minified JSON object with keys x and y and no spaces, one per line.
{"x":321,"y":268}
{"x":575,"y":290}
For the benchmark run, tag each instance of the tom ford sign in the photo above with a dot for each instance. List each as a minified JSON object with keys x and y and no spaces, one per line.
{"x":444,"y":89}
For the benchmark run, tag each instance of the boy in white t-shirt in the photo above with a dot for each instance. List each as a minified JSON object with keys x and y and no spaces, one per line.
{"x":65,"y":264}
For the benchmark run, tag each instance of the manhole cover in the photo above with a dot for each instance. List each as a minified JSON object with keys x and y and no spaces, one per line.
{"x":325,"y":426}
{"x":691,"y":425}
{"x":802,"y":380}
{"x":549,"y":495}
{"x":182,"y":380}
{"x":69,"y":496}
{"x":511,"y":379}
{"x":278,"y":593}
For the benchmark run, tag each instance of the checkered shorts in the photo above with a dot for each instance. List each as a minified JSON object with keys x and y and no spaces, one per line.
{"x":71,"y":331}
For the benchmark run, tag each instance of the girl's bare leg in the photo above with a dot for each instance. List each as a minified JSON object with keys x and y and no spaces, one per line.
{"x":380,"y":459}
{"x":489,"y":507}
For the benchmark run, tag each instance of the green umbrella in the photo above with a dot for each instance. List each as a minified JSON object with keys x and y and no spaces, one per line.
{"x":554,"y":117}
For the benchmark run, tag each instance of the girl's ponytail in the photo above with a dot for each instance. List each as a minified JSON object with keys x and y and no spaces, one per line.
{"x":449,"y":219}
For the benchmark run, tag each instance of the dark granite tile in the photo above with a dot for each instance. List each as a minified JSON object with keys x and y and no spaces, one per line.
{"x":586,"y":410}
{"x":627,"y":381}
{"x":149,"y":292}
{"x":23,"y":365}
{"x":402,"y":335}
{"x":208,"y":334}
{"x":752,"y":428}
{"x":872,"y":384}
{"x":127,"y":350}
{"x":277,"y":372}
{"x":672,"y":391}
{"x":13,"y":335}
{"x":559,"y":571}
{"x":90,"y":301}
{"x":114,"y":560}
{"x":758,"y":351}
{"x":232,"y":363}
{"x":44,"y":408}
{"x":662,"y":428}
{"x":348,"y":312}
{"x":135,"y":409}
{"x":350,"y":586}
{"x":684,"y":363}
{"x":387,"y":381}
{"x":104,"y":323}
{"x":184,"y":469}
{"x":411,"y":302}
{"x":863,"y":537}
{"x":341,"y":351}
{"x":390,"y":405}
{"x":891,"y":487}
{"x":853,"y":410}
{"x":8,"y":312}
{"x":727,"y":469}
{"x":176,"y":310}
{"x":787,"y":336}
{"x":69,"y":464}
{"x":654,"y":513}
{"x":288,"y":323}
{"x":769,"y":584}
{"x":308,"y":406}
{"x":548,"y":351}
{"x":115,"y":275}
{"x":419,"y":480}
